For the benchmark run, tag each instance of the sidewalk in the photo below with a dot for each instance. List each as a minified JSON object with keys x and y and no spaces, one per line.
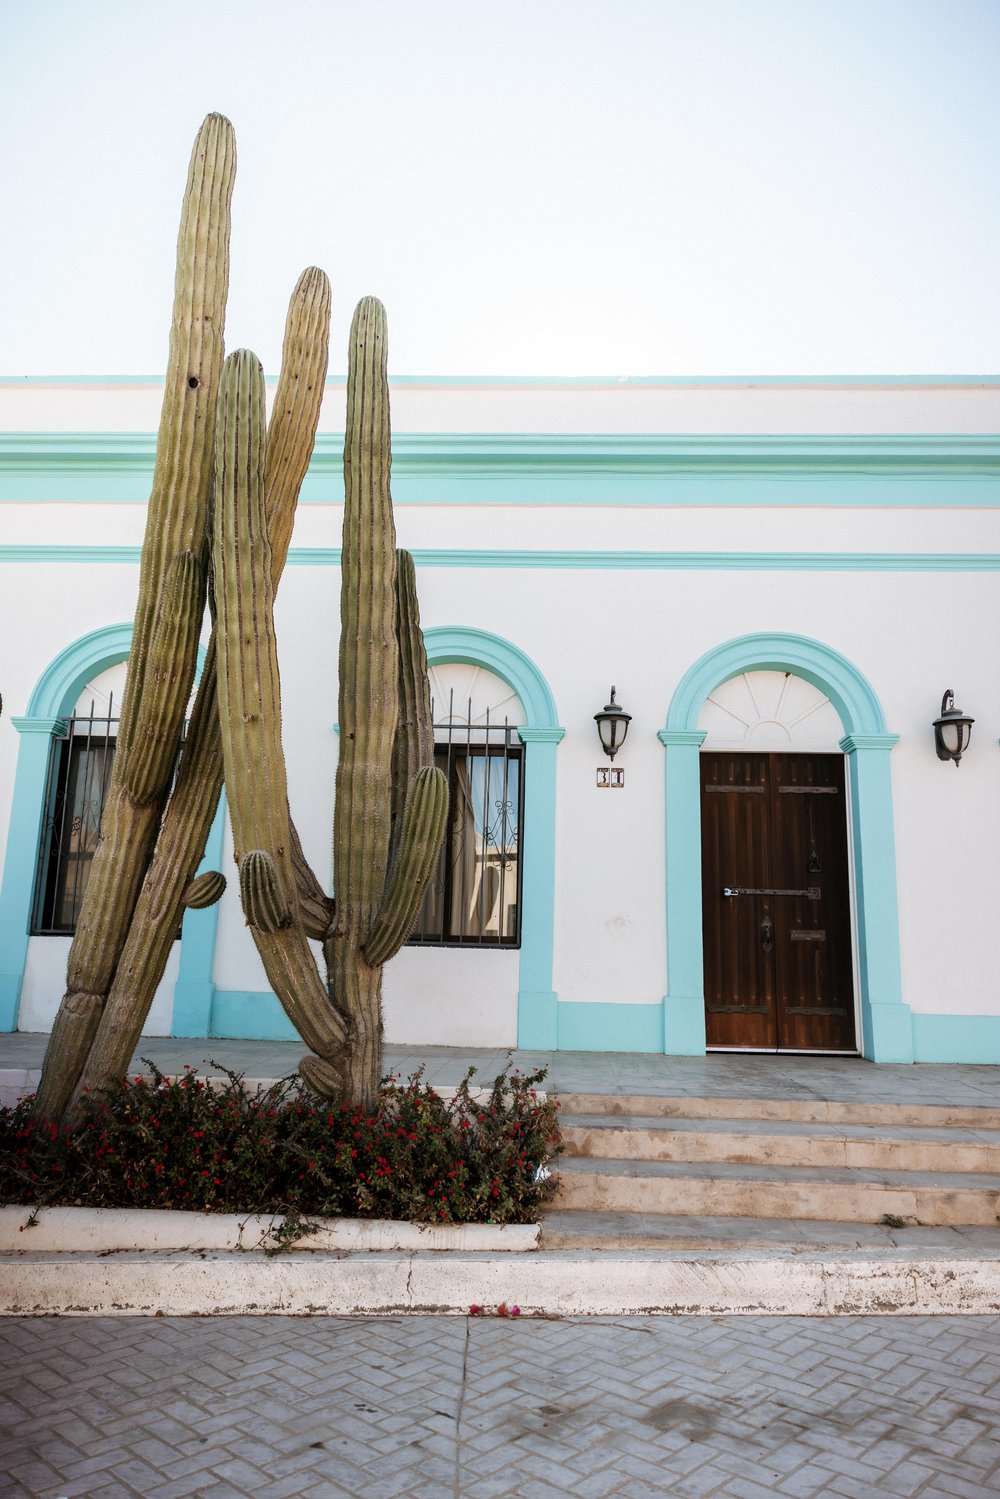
{"x":842,"y":1079}
{"x":465,"y":1408}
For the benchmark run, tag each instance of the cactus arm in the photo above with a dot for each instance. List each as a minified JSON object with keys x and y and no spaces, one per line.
{"x":414,"y":743}
{"x":192,"y":807}
{"x":176,"y":522}
{"x":291,"y":433}
{"x":250,"y":708}
{"x":204,"y":891}
{"x":368,"y":705}
{"x":422,"y":829}
{"x":369,"y":651}
{"x":169,"y":675}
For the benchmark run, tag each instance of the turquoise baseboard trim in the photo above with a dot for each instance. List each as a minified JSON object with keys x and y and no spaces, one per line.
{"x":537,"y":1022}
{"x":684,"y":1025}
{"x":193,"y":1006}
{"x":250,"y":1015}
{"x":609,"y":1027}
{"x":887,"y":1032}
{"x":956,"y":1038}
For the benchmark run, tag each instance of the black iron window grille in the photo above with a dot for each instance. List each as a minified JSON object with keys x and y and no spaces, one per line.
{"x":474,"y":897}
{"x":78,"y":780}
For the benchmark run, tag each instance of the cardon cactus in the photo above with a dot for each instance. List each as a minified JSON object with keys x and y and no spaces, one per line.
{"x":391,"y":803}
{"x":172,"y":583}
{"x":382,"y":662}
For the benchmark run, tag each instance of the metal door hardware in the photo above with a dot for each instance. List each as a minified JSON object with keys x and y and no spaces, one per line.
{"x":812,"y":892}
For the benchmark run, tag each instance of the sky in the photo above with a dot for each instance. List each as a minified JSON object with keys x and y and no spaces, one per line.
{"x":532,"y":187}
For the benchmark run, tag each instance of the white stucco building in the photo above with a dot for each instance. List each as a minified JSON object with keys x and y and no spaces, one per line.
{"x":781,"y":578}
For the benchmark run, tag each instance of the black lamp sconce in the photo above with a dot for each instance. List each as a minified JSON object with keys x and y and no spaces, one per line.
{"x":952,"y":731}
{"x":612,"y":725}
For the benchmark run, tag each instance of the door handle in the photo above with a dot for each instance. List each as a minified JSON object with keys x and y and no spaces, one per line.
{"x":767,"y":927}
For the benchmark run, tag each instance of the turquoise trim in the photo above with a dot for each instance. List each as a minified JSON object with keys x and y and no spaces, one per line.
{"x":67,"y":675}
{"x":481,"y":648}
{"x":683,"y":1026}
{"x":250,"y":1015}
{"x":18,"y":886}
{"x":846,"y":688}
{"x":608,"y":1027}
{"x":846,"y":562}
{"x":885,"y":1019}
{"x":956,"y":1038}
{"x":194,"y":990}
{"x":562,"y":469}
{"x":540,"y":735}
{"x":52,"y":701}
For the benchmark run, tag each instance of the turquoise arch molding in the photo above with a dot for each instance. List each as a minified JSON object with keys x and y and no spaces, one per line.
{"x":51,"y":702}
{"x":886,"y":1026}
{"x":537,"y":1006}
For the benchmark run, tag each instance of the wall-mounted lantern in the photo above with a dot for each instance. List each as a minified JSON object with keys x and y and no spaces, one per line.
{"x":612,"y":725}
{"x":952,"y":731}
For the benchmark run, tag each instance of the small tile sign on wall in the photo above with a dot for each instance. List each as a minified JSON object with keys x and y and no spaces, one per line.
{"x":610,"y":775}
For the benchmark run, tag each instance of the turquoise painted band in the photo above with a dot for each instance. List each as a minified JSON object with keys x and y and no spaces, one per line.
{"x":632,"y":561}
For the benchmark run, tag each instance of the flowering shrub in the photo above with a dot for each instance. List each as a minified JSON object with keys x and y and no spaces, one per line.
{"x":179,"y":1143}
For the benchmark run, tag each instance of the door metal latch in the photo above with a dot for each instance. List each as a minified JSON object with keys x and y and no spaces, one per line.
{"x":812,"y":892}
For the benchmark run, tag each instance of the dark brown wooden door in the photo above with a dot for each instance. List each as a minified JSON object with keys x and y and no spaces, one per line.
{"x":775,"y":901}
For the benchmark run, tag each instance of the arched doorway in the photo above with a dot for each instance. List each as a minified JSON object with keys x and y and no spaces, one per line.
{"x":886,"y":1033}
{"x":776,"y":907}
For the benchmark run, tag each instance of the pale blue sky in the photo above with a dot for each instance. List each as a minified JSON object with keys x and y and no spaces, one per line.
{"x":531,"y":186}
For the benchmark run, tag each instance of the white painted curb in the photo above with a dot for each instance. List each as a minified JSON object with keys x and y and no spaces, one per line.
{"x":547,"y":1284}
{"x":110,"y":1230}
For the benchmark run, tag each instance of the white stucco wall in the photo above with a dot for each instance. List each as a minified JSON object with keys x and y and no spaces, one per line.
{"x":911,"y":634}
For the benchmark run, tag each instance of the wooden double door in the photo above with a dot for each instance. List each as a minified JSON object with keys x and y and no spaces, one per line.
{"x":776,"y":903}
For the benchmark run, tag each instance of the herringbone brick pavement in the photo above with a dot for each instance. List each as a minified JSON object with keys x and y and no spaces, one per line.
{"x":455,"y":1408}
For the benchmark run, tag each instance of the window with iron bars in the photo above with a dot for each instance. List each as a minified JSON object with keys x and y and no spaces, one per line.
{"x":474,"y":897}
{"x":79,"y":776}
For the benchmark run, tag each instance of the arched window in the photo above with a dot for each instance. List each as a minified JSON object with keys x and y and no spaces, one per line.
{"x":79,"y":775}
{"x":474,"y":897}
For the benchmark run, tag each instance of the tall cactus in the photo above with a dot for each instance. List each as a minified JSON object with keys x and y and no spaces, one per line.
{"x":376,"y":900}
{"x":170,"y":886}
{"x":391,"y":802}
{"x":172,"y":582}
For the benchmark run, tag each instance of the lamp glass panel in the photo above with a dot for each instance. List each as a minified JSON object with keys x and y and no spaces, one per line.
{"x":951,"y":737}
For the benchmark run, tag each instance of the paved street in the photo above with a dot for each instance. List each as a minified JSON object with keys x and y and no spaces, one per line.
{"x":385,"y":1408}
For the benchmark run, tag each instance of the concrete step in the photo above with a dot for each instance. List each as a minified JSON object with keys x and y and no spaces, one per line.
{"x":856,"y":1195}
{"x":780,"y":1143}
{"x":796,"y":1110}
{"x":567,"y":1229}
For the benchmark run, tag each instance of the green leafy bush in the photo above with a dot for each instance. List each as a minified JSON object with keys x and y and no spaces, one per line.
{"x":183,"y":1143}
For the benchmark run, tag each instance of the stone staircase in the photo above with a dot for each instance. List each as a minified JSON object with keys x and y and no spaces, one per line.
{"x":709,"y":1173}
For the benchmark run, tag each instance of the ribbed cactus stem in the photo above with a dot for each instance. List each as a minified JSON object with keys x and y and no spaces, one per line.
{"x":193,"y":804}
{"x":414,"y":744}
{"x":176,"y":523}
{"x":265,"y":904}
{"x":369,"y":651}
{"x":250,"y":707}
{"x":422,"y":828}
{"x":169,"y":675}
{"x":204,"y":891}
